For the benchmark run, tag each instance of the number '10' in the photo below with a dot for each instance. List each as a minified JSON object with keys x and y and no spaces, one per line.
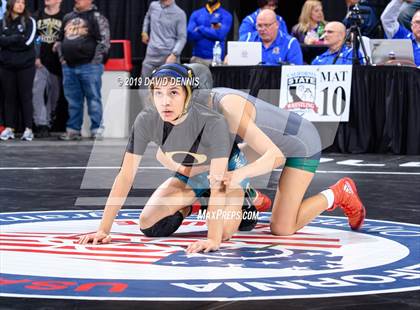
{"x":334,"y":101}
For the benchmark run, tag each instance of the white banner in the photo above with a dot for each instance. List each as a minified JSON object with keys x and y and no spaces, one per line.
{"x":317,"y":93}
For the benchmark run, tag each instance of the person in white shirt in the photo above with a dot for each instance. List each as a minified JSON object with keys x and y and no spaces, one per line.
{"x":395,"y":30}
{"x":407,"y":13}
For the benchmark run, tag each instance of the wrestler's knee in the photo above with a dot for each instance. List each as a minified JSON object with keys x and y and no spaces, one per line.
{"x":281,"y":230}
{"x":164,"y":227}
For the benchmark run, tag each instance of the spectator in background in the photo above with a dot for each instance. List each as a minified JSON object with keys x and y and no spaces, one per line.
{"x":277,"y":46}
{"x":367,"y":14}
{"x":48,"y":68}
{"x":407,"y":13}
{"x":394,"y":30}
{"x":248,"y":27}
{"x":165,"y":33}
{"x":17,"y":67}
{"x":3,"y":4}
{"x":335,"y":34}
{"x":83,"y":48}
{"x":206,"y":26}
{"x":310,"y":29}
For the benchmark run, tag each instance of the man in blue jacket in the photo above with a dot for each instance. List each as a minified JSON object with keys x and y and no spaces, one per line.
{"x":277,"y":46}
{"x":334,"y":36}
{"x":248,"y":27}
{"x":206,"y":26}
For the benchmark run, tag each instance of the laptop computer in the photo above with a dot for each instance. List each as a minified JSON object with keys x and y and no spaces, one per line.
{"x":384,"y":50}
{"x":244,"y":53}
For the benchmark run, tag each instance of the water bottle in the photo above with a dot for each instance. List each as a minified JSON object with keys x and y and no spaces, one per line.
{"x":321,"y":30}
{"x":38,"y":40}
{"x":217,"y":54}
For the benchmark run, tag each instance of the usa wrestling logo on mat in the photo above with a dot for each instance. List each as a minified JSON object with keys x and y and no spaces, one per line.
{"x":40,"y":258}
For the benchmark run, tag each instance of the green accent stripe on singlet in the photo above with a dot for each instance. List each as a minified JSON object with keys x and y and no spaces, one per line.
{"x":302,"y":163}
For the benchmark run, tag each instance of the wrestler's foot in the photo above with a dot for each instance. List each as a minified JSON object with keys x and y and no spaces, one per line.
{"x":346,"y":197}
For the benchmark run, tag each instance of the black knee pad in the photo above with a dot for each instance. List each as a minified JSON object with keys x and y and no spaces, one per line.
{"x":165,"y":227}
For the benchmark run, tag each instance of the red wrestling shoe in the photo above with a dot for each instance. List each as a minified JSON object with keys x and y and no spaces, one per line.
{"x":346,"y":197}
{"x":194,"y":208}
{"x":261,"y":202}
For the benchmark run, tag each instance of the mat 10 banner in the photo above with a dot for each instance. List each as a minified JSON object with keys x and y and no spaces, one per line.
{"x":317,"y":93}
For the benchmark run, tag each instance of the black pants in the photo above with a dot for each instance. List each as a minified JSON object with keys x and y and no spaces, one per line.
{"x":17,"y":89}
{"x":1,"y":103}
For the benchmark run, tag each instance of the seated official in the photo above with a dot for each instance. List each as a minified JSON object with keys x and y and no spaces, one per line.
{"x":206,"y":26}
{"x":335,"y":34}
{"x":248,"y":27}
{"x":394,"y":30}
{"x":277,"y":47}
{"x":367,"y":15}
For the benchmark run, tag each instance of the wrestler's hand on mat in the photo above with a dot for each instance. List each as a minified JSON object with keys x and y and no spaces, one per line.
{"x":203,"y":246}
{"x":100,"y":237}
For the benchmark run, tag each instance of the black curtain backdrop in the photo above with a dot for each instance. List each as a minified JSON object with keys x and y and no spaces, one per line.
{"x":334,"y":9}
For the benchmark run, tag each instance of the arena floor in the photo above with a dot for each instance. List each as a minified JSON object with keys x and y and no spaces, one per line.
{"x":47,"y":175}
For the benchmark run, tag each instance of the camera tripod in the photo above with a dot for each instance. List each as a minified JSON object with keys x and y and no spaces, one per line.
{"x":354,"y":35}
